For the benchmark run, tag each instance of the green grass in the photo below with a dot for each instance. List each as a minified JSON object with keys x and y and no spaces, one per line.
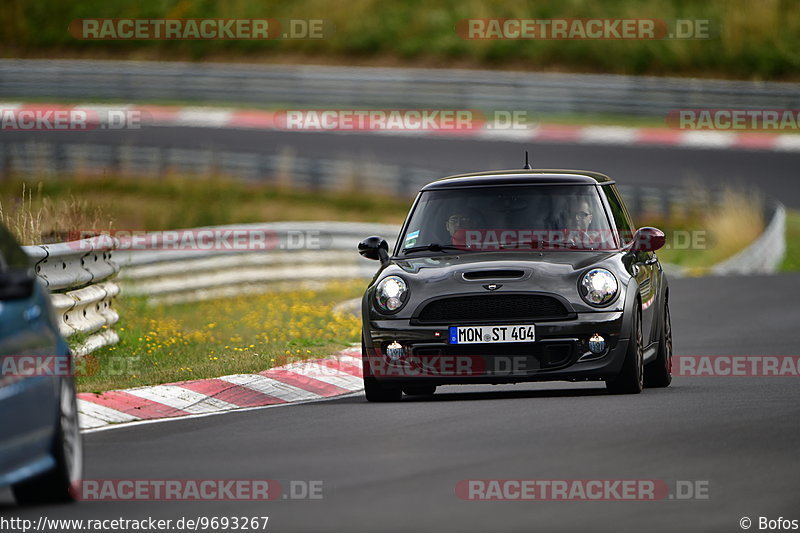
{"x":50,"y":208}
{"x":699,"y":235}
{"x":242,"y":335}
{"x":755,"y":40}
{"x":791,"y":261}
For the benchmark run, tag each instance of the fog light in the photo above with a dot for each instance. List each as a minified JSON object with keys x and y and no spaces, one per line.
{"x":597,"y":344}
{"x":395,"y":351}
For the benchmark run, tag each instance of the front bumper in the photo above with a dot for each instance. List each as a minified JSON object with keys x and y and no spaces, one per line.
{"x":560,"y":353}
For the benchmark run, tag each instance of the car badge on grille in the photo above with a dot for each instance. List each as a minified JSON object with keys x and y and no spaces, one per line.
{"x":492,"y":286}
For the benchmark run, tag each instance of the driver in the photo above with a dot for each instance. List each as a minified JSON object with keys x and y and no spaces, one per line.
{"x":459,"y":221}
{"x":577,"y":219}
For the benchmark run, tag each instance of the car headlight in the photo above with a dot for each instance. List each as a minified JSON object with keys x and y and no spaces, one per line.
{"x":391,"y":294}
{"x":598,"y":287}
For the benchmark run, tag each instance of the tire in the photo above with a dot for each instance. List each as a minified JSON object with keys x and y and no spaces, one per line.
{"x":377,"y":392}
{"x":659,"y":372}
{"x":419,"y":390}
{"x":374,"y":390}
{"x":631,"y":379}
{"x":54,"y":486}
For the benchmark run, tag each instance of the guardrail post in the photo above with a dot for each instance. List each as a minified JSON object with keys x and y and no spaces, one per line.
{"x":666,"y":202}
{"x":403,"y":186}
{"x":59,"y":159}
{"x":265,"y":168}
{"x":114,"y":159}
{"x":161,"y":161}
{"x":315,"y":175}
{"x":5,"y":166}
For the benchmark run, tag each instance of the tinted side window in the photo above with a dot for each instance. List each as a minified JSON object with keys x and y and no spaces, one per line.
{"x":622,"y":220}
{"x":11,"y":255}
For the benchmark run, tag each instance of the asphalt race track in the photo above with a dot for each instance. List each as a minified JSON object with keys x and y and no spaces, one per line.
{"x":772,"y":172}
{"x":394,"y":467}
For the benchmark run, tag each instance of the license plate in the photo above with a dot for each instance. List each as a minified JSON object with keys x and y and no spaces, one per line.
{"x":491,"y":334}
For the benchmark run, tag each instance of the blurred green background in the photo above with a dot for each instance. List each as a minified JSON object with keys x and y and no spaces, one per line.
{"x":756,"y":39}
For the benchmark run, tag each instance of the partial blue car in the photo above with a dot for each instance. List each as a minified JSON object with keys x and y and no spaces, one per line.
{"x":40,"y":441}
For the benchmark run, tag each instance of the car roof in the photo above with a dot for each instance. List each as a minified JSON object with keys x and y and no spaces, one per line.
{"x":520,"y":177}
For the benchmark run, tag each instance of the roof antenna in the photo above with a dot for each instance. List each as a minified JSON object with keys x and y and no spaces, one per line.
{"x":527,"y":164}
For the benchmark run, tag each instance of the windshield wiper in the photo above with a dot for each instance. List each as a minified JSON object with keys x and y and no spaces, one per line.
{"x":433,"y":247}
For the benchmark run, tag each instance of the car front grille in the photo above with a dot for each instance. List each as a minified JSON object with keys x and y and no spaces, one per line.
{"x":492,"y":308}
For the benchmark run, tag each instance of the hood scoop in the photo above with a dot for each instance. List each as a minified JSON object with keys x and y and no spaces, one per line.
{"x":483,"y":275}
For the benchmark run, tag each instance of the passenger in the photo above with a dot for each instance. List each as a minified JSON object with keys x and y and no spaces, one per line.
{"x":578,"y":215}
{"x":577,"y":219}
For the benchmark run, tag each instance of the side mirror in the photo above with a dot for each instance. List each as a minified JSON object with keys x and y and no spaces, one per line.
{"x":374,"y":248}
{"x":648,"y":239}
{"x":17,"y":283}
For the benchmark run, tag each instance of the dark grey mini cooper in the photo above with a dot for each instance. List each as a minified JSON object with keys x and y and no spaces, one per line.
{"x":512,"y":276}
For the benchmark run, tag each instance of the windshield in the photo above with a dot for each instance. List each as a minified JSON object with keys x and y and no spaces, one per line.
{"x":529,"y":217}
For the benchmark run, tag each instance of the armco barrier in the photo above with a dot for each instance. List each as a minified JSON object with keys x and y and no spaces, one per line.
{"x":328,"y":252}
{"x":43,"y":156}
{"x":364,"y":87}
{"x":765,"y":254}
{"x":78,"y":275}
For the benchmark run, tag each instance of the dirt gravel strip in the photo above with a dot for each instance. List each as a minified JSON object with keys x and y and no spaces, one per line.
{"x":296,"y":382}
